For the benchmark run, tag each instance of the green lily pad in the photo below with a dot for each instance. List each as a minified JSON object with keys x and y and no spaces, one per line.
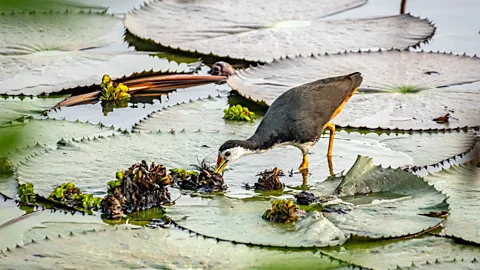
{"x":396,"y":197}
{"x":241,"y":221}
{"x":460,"y":264}
{"x":48,"y":5}
{"x":462,"y":185}
{"x":160,"y":248}
{"x":36,"y":225}
{"x":138,"y":108}
{"x":66,"y":42}
{"x":232,"y":29}
{"x":201,"y":114}
{"x":15,"y":108}
{"x":382,"y":71}
{"x":408,"y":196}
{"x":422,"y":147}
{"x":389,"y":254}
{"x":39,"y":132}
{"x":35,"y":136}
{"x":73,"y":161}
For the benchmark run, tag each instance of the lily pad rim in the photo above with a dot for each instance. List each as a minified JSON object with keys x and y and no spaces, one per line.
{"x":227,"y":57}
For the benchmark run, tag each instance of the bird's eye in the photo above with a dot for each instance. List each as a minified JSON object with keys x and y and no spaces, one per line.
{"x":227,"y":153}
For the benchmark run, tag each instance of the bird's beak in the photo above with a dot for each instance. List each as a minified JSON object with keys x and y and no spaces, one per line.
{"x":221,"y":164}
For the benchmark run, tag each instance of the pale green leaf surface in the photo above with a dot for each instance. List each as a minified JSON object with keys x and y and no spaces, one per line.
{"x":395,"y":197}
{"x":13,"y":108}
{"x":233,"y":28}
{"x":462,"y":185}
{"x":389,"y":254}
{"x":241,"y":221}
{"x":386,"y":70}
{"x":91,"y":164}
{"x":159,"y":249}
{"x":204,"y":114}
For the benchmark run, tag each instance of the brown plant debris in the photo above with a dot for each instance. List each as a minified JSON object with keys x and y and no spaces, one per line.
{"x":283,"y":211}
{"x":269,"y":180}
{"x":442,"y":119}
{"x":138,"y":188}
{"x":204,"y":179}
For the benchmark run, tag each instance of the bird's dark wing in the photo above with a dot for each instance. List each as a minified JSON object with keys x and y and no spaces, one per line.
{"x":300,"y":114}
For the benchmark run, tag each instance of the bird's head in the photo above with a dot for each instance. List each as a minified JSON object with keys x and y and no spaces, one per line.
{"x":228,"y":153}
{"x":222,"y":69}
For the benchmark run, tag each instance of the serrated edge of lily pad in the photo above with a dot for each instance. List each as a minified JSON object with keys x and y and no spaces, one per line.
{"x":174,"y":227}
{"x":356,"y":237}
{"x":99,"y":124}
{"x":437,"y":261}
{"x":196,"y":53}
{"x":382,"y":130}
{"x":178,"y":104}
{"x":447,"y":163}
{"x":360,"y":51}
{"x":66,"y":11}
{"x":456,"y":239}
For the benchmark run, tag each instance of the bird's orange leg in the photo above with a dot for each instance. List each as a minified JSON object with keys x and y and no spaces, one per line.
{"x":304,"y":169}
{"x":331,"y":127}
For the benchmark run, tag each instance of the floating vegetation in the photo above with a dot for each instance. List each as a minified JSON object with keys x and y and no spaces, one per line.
{"x":305,"y":198}
{"x":6,"y":166}
{"x":238,"y":113}
{"x":283,"y":211}
{"x":26,"y":194}
{"x":71,"y":196}
{"x":202,"y":180}
{"x":269,"y":180}
{"x":138,"y":188}
{"x":112,"y":90}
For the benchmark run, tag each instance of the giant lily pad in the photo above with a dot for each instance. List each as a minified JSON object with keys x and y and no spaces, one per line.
{"x":241,"y":221}
{"x":7,"y":6}
{"x":422,"y":147}
{"x":232,"y":29}
{"x":389,"y":254}
{"x":392,"y":71}
{"x":37,"y":224}
{"x":395,"y":197}
{"x":144,"y":248}
{"x":34,"y":136}
{"x":462,"y":185}
{"x":13,"y":108}
{"x":73,"y":162}
{"x":204,"y":114}
{"x":36,"y":46}
{"x":138,"y":108}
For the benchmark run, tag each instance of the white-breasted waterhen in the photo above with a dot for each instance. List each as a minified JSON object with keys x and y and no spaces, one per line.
{"x":297,"y":117}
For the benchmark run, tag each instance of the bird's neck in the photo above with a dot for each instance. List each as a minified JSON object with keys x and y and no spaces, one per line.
{"x":250,"y":145}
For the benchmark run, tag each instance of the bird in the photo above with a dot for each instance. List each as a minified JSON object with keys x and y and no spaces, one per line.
{"x":298,"y":118}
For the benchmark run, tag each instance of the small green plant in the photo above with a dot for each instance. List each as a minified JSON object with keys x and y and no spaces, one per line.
{"x":113,"y":91}
{"x":182,"y":173}
{"x":26,"y":193}
{"x":70,"y":195}
{"x":282,"y":211}
{"x":238,"y":113}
